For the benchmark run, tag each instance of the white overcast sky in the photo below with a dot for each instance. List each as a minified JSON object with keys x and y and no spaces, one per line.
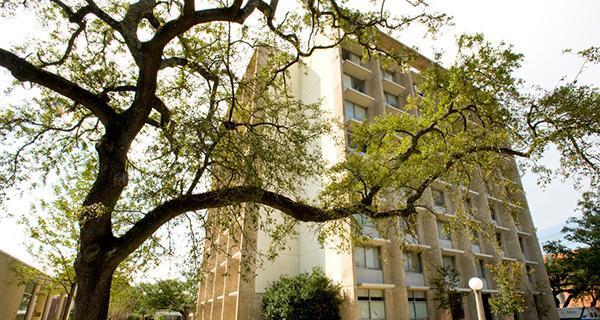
{"x":540,"y":29}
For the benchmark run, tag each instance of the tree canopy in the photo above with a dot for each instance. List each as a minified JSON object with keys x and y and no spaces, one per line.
{"x":146,"y":107}
{"x":573,"y":264}
{"x":167,"y":294}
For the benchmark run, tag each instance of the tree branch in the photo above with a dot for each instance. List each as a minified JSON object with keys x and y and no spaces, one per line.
{"x":22,"y":70}
{"x":170,"y":30}
{"x":218,"y":199}
{"x":146,"y":226}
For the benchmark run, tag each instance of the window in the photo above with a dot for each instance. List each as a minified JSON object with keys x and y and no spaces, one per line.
{"x":475,"y":238}
{"x":391,"y":100}
{"x":367,"y":227}
{"x":530,"y":274}
{"x":448,"y":262}
{"x":412,"y":262}
{"x":388,"y":75}
{"x":25,"y":299}
{"x":499,"y":239}
{"x":493,"y":215}
{"x":470,"y":205}
{"x":475,"y":246}
{"x":354,"y":145}
{"x":523,"y":247}
{"x":442,"y":232}
{"x":352,"y":82}
{"x":410,"y":233}
{"x":488,"y":187}
{"x":480,"y":269}
{"x":439,"y":198}
{"x":371,"y":304}
{"x":347,"y":55}
{"x":354,"y":111}
{"x":367,"y":257}
{"x":417,"y":305}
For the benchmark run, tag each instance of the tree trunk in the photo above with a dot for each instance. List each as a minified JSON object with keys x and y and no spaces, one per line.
{"x":566,"y":303}
{"x":93,"y":291}
{"x":94,"y":266}
{"x":64,"y":314}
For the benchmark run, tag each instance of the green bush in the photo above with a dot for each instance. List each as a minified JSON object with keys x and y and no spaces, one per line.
{"x":303,"y":297}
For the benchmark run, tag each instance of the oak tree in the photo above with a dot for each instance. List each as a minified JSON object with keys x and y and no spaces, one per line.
{"x":146,"y":106}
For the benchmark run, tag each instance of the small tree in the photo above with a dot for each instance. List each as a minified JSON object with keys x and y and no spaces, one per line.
{"x":306,"y":296}
{"x":445,"y":292}
{"x":509,"y":299}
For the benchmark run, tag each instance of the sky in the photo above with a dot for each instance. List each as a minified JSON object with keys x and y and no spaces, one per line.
{"x":540,"y":29}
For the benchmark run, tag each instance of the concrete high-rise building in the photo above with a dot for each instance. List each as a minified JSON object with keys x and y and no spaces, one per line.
{"x":381,"y":279}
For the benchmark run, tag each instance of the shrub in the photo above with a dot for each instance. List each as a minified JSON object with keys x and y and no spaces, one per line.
{"x":303,"y":297}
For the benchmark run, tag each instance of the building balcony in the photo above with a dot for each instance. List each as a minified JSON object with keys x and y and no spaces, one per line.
{"x":498,"y":226}
{"x":445,"y":244}
{"x":414,"y":279}
{"x":521,"y":230}
{"x":370,"y":231}
{"x":364,"y":275}
{"x":392,"y":87}
{"x":358,"y":97}
{"x":356,"y":70}
{"x":395,"y":110}
{"x":412,"y":242}
{"x":353,"y":123}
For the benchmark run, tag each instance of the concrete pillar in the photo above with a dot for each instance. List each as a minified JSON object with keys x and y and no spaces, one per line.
{"x":47,"y":305}
{"x":60,"y":307}
{"x":32,"y":302}
{"x":40,"y":304}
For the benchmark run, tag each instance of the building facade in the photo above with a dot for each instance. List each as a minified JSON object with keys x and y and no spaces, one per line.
{"x":25,"y":298}
{"x":381,"y":279}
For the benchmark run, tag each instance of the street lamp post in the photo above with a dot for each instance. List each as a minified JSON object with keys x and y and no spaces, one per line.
{"x":476,"y":285}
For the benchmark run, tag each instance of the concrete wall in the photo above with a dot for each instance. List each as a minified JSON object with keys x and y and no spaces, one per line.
{"x":42,"y":303}
{"x":11,"y":291}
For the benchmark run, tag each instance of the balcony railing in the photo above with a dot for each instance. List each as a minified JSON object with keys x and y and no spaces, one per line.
{"x":414,"y":279}
{"x":445,"y":244}
{"x":364,"y":275}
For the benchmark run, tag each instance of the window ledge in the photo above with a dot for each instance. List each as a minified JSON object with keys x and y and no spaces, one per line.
{"x":483,"y":255}
{"x":452,"y":251}
{"x":417,"y":288}
{"x":381,"y":286}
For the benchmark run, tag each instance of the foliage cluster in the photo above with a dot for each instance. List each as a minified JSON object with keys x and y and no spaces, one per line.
{"x":510,"y":298}
{"x":572,"y":263}
{"x":307,"y":296}
{"x":167,"y":294}
{"x":444,"y":286}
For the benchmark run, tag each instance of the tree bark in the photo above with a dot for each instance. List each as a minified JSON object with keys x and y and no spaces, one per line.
{"x":95,"y":263}
{"x":93,"y":291}
{"x":566,"y":303}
